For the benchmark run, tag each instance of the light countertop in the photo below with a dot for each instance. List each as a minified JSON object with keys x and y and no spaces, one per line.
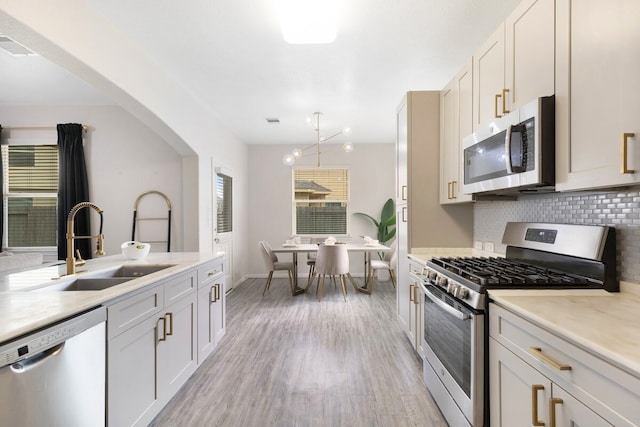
{"x":603,"y":323}
{"x":22,"y":311}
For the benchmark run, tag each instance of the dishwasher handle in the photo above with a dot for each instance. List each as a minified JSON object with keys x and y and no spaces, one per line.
{"x":36,"y":360}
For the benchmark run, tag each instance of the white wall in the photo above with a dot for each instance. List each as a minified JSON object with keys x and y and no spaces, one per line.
{"x":372,"y":176}
{"x":124,"y":159}
{"x":75,"y":37}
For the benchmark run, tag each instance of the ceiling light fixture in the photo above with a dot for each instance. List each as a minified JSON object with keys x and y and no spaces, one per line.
{"x":308,"y":21}
{"x":290,"y":158}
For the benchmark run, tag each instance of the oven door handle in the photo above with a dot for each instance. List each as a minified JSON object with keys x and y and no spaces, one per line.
{"x":446,"y":307}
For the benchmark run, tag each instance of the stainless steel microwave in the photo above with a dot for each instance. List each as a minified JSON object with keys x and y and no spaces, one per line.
{"x":515,"y":152}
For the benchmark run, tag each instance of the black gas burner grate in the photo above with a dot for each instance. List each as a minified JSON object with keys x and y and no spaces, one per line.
{"x":489,"y":271}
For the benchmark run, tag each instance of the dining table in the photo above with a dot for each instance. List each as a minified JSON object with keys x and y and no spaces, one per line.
{"x":303,"y":248}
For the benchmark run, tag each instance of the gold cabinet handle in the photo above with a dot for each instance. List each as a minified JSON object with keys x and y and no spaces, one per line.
{"x":504,"y":101}
{"x":449,"y":190}
{"x":495,"y":106}
{"x":535,"y":388}
{"x":416,"y":300}
{"x":404,"y":214}
{"x":537,"y":352}
{"x":552,"y":410}
{"x":164,"y":329}
{"x":170,"y":316}
{"x":218,"y":291}
{"x":212,"y":294}
{"x":403,"y":193}
{"x":411,"y":292}
{"x":625,"y":143}
{"x":453,"y":189}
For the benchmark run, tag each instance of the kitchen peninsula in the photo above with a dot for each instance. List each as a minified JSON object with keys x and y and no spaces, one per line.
{"x":22,"y":311}
{"x":166,"y":312}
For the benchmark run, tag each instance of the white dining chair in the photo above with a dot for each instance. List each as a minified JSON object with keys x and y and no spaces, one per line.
{"x":387,"y":263}
{"x":273,"y":264}
{"x":332,"y":260}
{"x":311,"y":259}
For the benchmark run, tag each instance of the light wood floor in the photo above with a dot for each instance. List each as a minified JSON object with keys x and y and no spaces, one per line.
{"x":291,"y":361}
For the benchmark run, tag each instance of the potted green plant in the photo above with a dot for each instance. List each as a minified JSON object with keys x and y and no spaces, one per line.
{"x":386,"y":226}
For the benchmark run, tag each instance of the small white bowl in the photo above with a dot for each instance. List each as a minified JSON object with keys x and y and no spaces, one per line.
{"x":135,"y":250}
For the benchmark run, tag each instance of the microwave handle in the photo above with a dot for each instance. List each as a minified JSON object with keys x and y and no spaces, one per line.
{"x":507,"y":149}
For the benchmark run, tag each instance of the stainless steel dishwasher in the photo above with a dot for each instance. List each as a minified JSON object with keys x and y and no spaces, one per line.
{"x":55,"y":376}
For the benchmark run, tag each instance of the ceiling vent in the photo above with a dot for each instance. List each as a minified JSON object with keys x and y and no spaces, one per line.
{"x":14,"y":48}
{"x":273,"y":120}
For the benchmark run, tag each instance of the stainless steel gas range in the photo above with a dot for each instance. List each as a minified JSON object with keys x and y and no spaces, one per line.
{"x":455,"y":340}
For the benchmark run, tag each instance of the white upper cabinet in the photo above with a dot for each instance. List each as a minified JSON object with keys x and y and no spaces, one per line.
{"x":598,"y":88}
{"x":402,"y":171}
{"x":529,"y":52}
{"x":516,"y":64}
{"x":447,"y":142}
{"x":456,"y":120}
{"x":488,"y":79}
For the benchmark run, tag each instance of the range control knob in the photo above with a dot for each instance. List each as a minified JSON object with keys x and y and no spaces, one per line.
{"x":452,"y":288}
{"x":432,"y":275}
{"x":442,"y":281}
{"x":463,"y":293}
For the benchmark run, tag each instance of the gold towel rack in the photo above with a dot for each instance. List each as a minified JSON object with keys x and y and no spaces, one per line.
{"x":167,"y":218}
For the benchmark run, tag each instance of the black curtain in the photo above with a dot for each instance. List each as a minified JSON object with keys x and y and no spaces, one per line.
{"x":73,"y":188}
{"x":1,"y":200}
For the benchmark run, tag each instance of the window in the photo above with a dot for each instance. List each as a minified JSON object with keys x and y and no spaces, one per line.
{"x":321,"y":200}
{"x":224,"y":189}
{"x":30,"y":195}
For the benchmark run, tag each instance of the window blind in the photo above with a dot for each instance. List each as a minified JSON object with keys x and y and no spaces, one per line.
{"x":321,"y":198}
{"x":33,"y":168}
{"x":30,"y":194}
{"x":224,"y":190}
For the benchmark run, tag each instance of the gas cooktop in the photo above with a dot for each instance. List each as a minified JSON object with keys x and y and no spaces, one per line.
{"x":538,"y":255}
{"x":497,"y":272}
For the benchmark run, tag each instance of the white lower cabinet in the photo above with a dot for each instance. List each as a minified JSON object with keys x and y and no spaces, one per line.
{"x":211,"y":308}
{"x":416,"y":306}
{"x":566,"y":410}
{"x":520,"y":395}
{"x":132,"y":397}
{"x":538,"y":378}
{"x":176,"y":354}
{"x":403,"y":292}
{"x":151,"y":349}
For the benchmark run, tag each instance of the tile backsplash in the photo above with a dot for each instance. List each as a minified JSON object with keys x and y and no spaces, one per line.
{"x":619,"y":209}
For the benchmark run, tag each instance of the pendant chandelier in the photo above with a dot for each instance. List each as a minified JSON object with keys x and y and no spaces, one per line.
{"x":290,"y":158}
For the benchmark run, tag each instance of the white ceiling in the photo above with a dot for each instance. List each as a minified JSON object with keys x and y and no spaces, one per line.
{"x":232,"y":57}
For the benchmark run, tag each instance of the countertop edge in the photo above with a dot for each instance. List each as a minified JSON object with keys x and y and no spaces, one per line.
{"x":22,"y":312}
